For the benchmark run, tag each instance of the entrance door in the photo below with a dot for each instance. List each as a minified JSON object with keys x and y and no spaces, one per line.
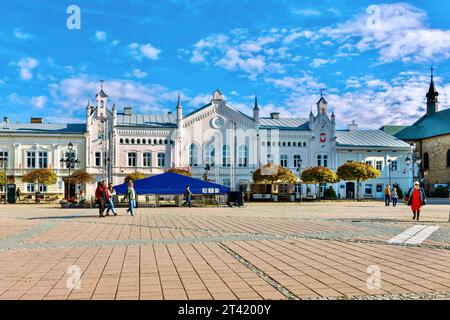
{"x":68,"y":194}
{"x":350,"y":190}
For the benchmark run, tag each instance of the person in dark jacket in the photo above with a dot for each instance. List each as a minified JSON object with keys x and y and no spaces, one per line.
{"x":101,"y":196}
{"x":188,"y":197}
{"x":416,"y":199}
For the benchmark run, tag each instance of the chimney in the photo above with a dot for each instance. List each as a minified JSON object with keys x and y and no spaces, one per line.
{"x":5,"y":120}
{"x":128,"y":111}
{"x":275,"y":115}
{"x":352,"y":126}
{"x":36,"y":120}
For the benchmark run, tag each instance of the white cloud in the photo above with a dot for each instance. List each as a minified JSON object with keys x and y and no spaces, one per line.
{"x":199,"y":100}
{"x":39,"y":102}
{"x":398,"y":31}
{"x":26,"y":67}
{"x":139,"y":51}
{"x":372,"y":102}
{"x":72,"y":93}
{"x":100,"y":36}
{"x":320,"y":62}
{"x":137,"y":73}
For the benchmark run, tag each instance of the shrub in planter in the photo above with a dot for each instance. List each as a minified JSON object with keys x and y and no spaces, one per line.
{"x":330,"y":194}
{"x":440,"y":192}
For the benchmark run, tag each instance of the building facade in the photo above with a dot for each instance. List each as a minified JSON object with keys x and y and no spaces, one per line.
{"x":216,"y":140}
{"x":429,"y":138}
{"x":37,"y":145}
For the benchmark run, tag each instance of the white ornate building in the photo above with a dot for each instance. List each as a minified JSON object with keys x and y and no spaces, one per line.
{"x":217,"y":137}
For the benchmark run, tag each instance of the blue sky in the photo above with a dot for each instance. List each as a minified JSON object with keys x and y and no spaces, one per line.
{"x":372,"y":57}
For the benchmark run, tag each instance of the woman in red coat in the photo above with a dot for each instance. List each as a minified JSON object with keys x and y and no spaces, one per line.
{"x":416,"y":199}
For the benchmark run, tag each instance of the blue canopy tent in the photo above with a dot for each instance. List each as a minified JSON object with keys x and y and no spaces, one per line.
{"x":172,"y":184}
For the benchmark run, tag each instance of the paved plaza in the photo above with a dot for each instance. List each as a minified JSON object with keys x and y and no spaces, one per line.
{"x":328,"y":250}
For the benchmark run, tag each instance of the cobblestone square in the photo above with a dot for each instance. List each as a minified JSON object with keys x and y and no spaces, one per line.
{"x":267,"y":251}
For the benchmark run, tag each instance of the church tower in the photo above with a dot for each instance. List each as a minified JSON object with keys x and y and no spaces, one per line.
{"x":102,"y":103}
{"x":432,"y":97}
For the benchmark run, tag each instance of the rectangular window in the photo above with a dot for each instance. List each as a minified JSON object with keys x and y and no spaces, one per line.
{"x":319,"y":160}
{"x":297,"y":188}
{"x":132,"y":159}
{"x":31,"y":159}
{"x":369,"y":163}
{"x":4,"y":156}
{"x":98,"y":159}
{"x":297,"y":161}
{"x":379,"y":188}
{"x":368,"y":189}
{"x":227,"y":182}
{"x":394,"y":165}
{"x":42,"y":188}
{"x":30,"y":187}
{"x":379,"y":165}
{"x":147,"y":159}
{"x":325,"y":161}
{"x":43,"y":159}
{"x":161,"y":159}
{"x":284,"y":160}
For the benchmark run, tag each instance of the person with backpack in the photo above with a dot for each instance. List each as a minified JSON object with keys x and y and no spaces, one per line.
{"x":416,"y":199}
{"x":394,"y":196}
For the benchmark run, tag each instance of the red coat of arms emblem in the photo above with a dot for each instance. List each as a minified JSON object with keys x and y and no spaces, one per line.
{"x":323,"y":137}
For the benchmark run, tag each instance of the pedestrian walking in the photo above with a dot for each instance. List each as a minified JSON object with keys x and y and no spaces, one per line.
{"x":394,"y":196}
{"x":387,"y":195}
{"x":18,"y":194}
{"x":111,"y":194}
{"x":100,"y":197}
{"x":131,"y":194}
{"x":188,"y":197}
{"x":416,"y":199}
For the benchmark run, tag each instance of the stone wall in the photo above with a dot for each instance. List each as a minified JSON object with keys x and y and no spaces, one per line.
{"x":437,"y":150}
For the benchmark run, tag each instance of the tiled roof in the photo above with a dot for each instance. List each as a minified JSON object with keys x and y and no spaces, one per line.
{"x":428,"y":126}
{"x":150,"y":120}
{"x":48,"y":128}
{"x":392,"y":130}
{"x":368,"y":138}
{"x":285,"y":123}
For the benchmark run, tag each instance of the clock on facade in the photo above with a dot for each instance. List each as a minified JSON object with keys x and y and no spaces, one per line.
{"x":217,"y":122}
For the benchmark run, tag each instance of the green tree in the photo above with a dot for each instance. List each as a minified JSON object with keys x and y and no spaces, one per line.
{"x":183,"y":172}
{"x":318,"y":175}
{"x":271,"y":174}
{"x":41,"y":176}
{"x":358,"y":172}
{"x":134,"y":176}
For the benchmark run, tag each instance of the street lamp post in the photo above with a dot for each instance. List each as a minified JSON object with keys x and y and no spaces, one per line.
{"x":415,"y":159}
{"x":4,"y":164}
{"x":70,"y":161}
{"x":389,"y":170}
{"x":299,"y":170}
{"x":207,"y":168}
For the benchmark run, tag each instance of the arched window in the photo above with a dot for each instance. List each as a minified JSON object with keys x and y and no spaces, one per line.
{"x":226,"y":156}
{"x":448,"y":158}
{"x":138,"y":141}
{"x":132,"y":141}
{"x":121,"y":141}
{"x":426,"y":161}
{"x":294,"y":144}
{"x":144,"y":141}
{"x":155,"y":141}
{"x":210,"y":154}
{"x":165,"y":141}
{"x":297,"y":161}
{"x":160,"y":141}
{"x":127,"y":141}
{"x":242,"y":156}
{"x":193,"y":155}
